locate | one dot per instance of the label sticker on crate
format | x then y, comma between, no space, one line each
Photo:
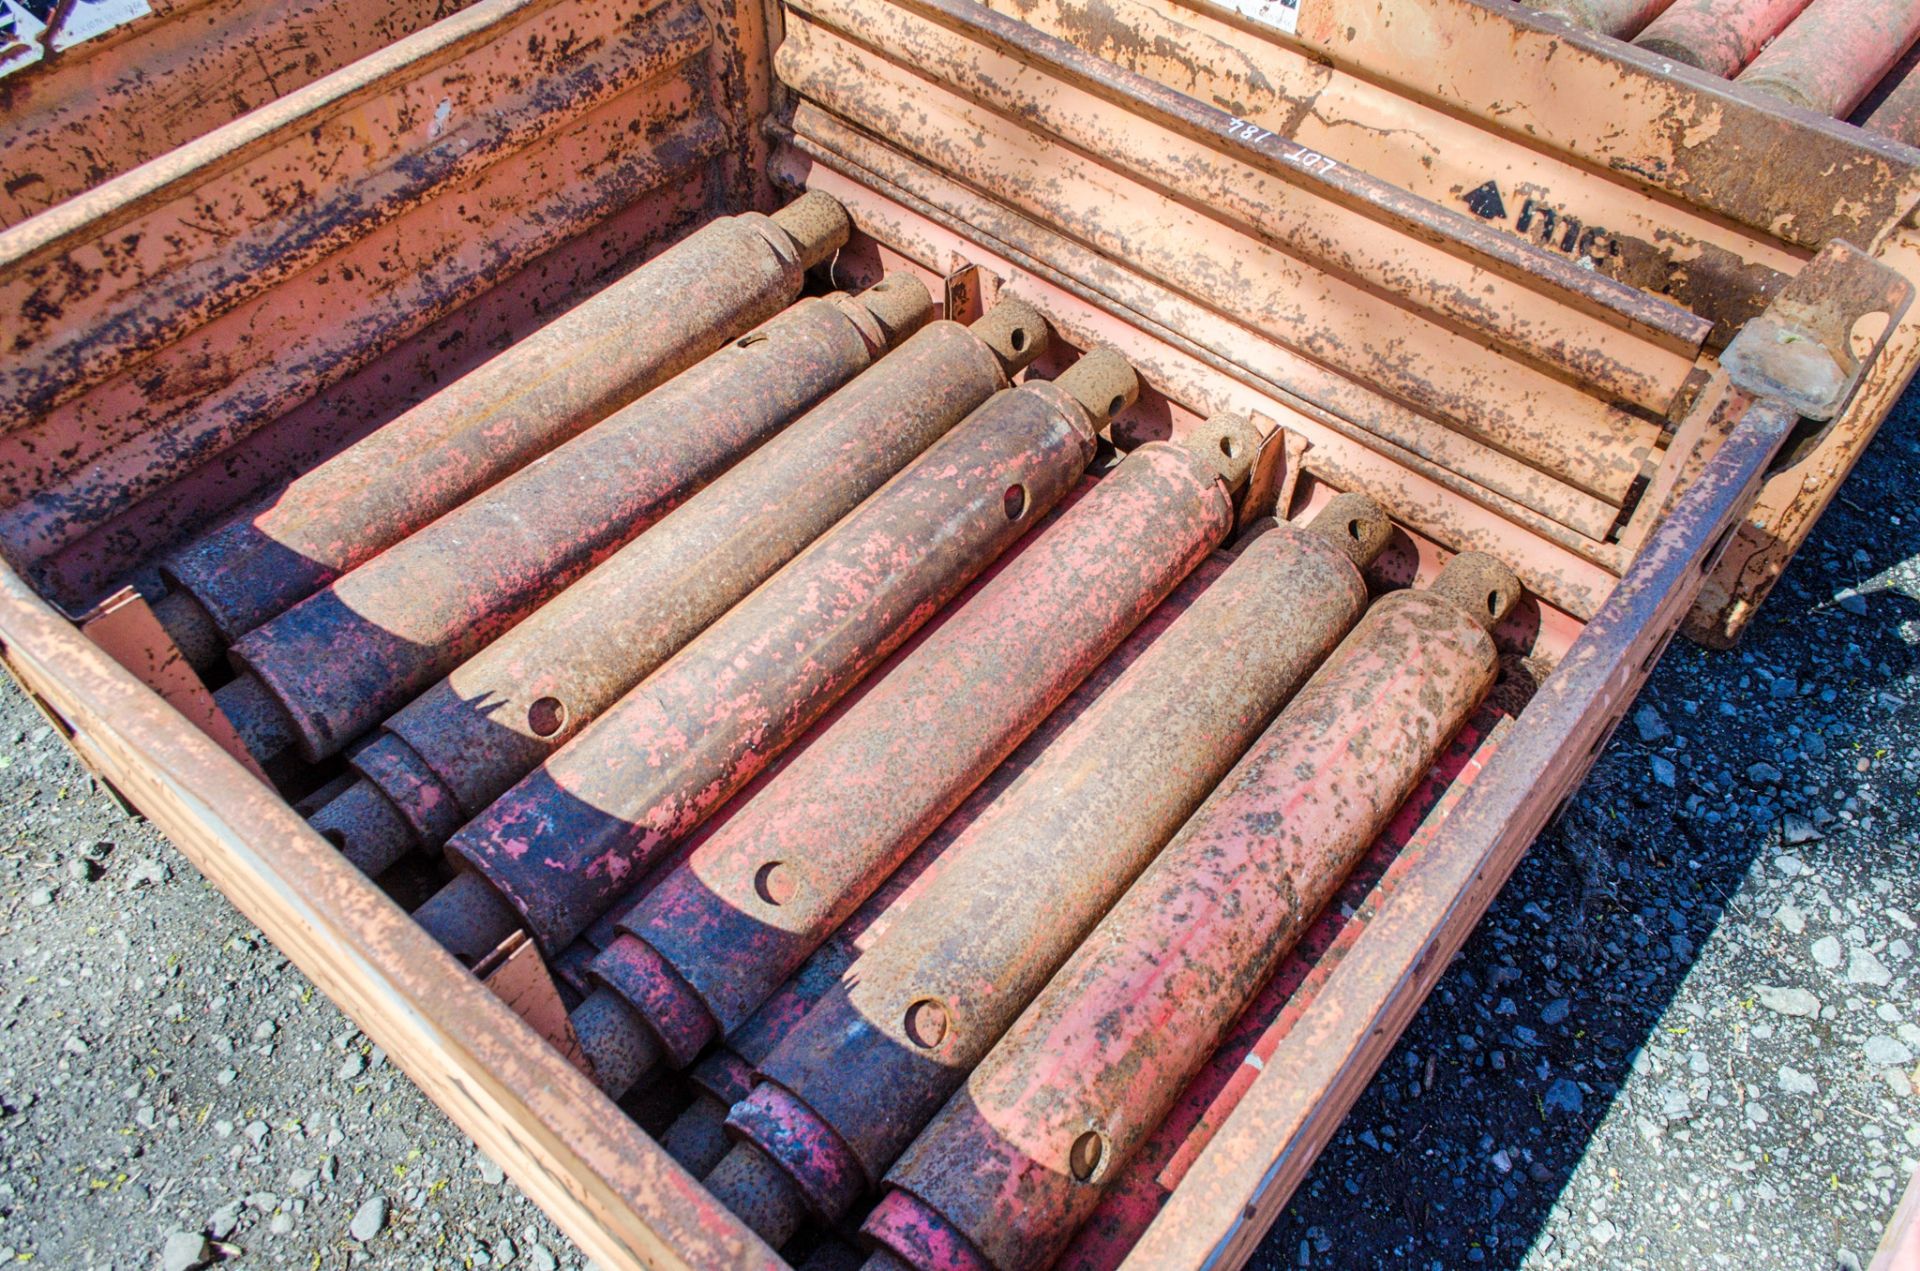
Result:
1282,15
24,25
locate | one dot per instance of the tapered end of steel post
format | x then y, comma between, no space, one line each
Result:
257,717
1357,525
191,629
817,224
900,303
468,917
1227,443
759,1193
1575,12
1621,19
698,1137
1015,332
1672,50
366,827
1102,382
616,1042
1785,90
1480,586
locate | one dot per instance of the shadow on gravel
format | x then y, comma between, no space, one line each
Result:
1462,1149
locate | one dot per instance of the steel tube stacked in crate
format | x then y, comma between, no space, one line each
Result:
1717,36
1834,53
721,933
1019,1156
849,1088
1621,18
345,657
557,850
724,1075
464,742
576,370
1897,113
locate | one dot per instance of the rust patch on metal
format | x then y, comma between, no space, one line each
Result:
94,111
367,643
725,1073
1832,55
1821,333
1714,37
856,1080
467,740
1516,187
564,844
748,907
573,373
198,298
1712,144
1021,1154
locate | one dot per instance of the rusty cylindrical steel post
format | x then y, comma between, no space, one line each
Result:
724,1075
362,646
723,931
1621,19
1898,113
657,321
558,849
1833,54
1717,36
464,742
1018,1157
851,1086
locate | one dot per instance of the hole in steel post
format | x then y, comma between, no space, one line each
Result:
926,1023
546,717
1229,447
1353,530
1115,406
1018,339
750,339
1493,602
773,883
1015,502
1088,1151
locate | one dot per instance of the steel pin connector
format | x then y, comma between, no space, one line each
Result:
817,224
1227,443
1015,332
468,917
1356,525
1479,586
366,827
1103,382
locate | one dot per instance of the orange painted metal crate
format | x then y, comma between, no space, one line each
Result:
1542,294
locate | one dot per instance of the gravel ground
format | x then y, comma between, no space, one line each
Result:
1685,1036
167,1078
1686,1033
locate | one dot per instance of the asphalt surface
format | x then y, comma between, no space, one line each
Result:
1685,1036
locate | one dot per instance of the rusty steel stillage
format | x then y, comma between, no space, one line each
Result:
871,621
